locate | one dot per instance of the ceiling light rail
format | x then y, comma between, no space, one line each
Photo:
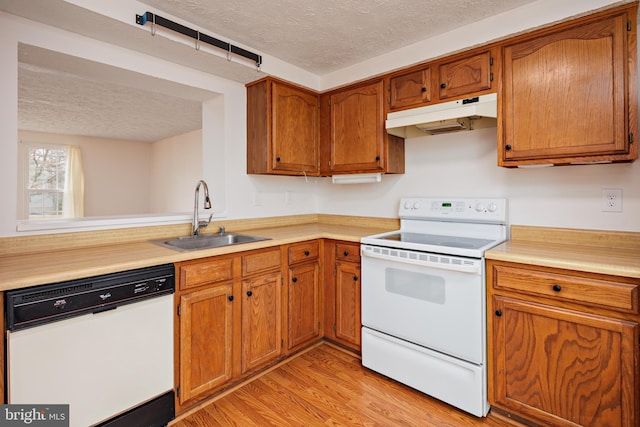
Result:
198,36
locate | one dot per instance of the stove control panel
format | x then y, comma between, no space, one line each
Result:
455,209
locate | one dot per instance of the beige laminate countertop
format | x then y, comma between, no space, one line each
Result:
603,252
18,271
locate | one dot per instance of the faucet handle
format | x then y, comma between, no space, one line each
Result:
203,224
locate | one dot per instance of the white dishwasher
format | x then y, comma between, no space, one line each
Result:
103,345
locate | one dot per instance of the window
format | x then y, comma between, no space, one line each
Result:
54,183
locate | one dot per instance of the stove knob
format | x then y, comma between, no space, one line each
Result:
416,205
492,207
479,206
407,205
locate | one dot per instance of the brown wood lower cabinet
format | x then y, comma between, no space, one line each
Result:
261,320
342,297
228,323
555,360
238,314
205,340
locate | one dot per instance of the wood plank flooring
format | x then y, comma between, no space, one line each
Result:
327,386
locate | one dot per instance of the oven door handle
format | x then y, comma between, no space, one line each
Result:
471,266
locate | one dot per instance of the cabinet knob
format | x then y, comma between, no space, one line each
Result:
355,278
424,89
249,293
507,147
230,297
377,158
346,253
443,85
277,159
557,288
498,313
294,280
306,253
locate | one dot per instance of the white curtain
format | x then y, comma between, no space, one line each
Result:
73,201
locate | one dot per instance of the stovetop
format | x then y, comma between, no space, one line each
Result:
460,226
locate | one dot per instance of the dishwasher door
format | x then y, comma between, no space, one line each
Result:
100,364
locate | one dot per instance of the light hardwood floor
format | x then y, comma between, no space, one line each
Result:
328,386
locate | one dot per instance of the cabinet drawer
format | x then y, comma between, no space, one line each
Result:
348,252
575,289
256,262
305,251
216,270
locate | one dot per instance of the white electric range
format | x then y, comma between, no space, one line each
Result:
423,297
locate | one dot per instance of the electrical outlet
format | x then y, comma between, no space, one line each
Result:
612,200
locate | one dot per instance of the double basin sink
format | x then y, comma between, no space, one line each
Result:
207,241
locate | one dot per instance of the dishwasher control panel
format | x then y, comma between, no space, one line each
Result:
46,303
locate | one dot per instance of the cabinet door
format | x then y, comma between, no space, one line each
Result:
465,76
303,304
561,367
566,95
205,325
410,90
295,121
261,320
348,323
357,129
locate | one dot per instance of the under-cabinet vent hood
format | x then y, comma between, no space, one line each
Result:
462,114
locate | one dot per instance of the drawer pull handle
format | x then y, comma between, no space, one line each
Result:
346,253
294,280
230,297
249,293
557,288
355,278
306,253
498,313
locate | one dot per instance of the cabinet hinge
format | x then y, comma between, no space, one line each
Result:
179,311
334,327
178,391
388,100
335,273
491,61
319,325
629,26
281,343
630,138
490,77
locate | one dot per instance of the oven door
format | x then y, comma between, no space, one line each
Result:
432,300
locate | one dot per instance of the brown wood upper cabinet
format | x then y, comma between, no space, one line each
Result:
458,77
465,76
358,142
282,129
570,93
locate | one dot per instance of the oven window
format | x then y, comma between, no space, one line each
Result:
417,285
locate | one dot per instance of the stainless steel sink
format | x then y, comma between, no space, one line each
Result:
207,241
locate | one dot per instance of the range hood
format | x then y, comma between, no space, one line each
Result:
462,114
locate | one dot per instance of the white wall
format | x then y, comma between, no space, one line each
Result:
116,172
169,189
464,164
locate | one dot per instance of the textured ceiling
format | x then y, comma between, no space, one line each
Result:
324,36
63,94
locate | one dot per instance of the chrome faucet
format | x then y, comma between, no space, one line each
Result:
197,224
